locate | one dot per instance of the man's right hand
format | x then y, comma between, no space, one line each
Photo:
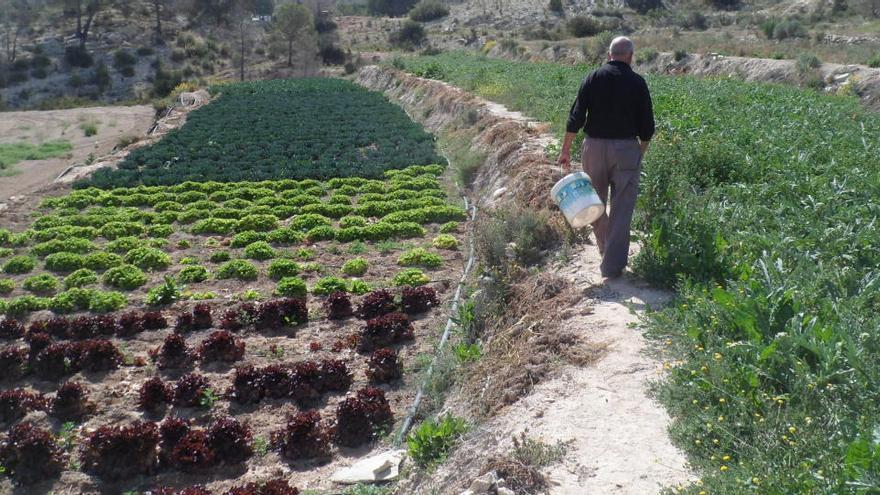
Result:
564,160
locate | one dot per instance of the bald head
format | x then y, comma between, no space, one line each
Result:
621,49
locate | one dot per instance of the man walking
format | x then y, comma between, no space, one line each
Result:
614,108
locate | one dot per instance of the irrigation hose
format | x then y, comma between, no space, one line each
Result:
407,422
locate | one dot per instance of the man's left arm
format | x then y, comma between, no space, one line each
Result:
646,120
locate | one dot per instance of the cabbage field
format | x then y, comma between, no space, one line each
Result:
297,129
227,336
759,205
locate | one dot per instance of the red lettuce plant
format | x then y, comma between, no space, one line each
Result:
98,355
384,366
171,431
386,330
202,316
335,376
12,362
247,385
338,306
277,381
230,440
190,490
118,452
239,318
277,486
154,394
58,327
54,361
189,390
31,454
71,402
36,343
16,403
221,346
279,313
11,329
303,437
192,452
358,417
376,303
173,353
416,300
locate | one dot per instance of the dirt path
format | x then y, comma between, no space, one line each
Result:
113,123
618,434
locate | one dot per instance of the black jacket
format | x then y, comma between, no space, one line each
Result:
613,103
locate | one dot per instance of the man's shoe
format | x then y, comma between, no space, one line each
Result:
612,275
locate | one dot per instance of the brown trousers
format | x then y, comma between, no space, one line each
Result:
613,163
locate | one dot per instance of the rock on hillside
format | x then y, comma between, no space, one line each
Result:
508,14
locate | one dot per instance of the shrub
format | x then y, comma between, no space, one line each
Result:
120,452
384,366
154,394
807,62
189,390
221,346
173,353
789,28
219,256
16,403
329,285
238,269
376,303
419,299
148,258
411,276
386,330
64,262
355,267
584,26
41,284
260,250
127,277
428,10
192,274
98,355
410,35
281,268
80,278
445,241
338,306
303,437
18,265
679,55
357,418
7,285
31,454
432,441
556,6
107,302
163,294
230,440
71,402
291,287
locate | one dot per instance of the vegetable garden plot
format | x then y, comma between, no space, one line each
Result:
100,251
319,298
303,128
759,203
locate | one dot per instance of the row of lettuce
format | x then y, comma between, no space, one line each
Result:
758,204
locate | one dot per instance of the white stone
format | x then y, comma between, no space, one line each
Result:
382,467
484,483
505,491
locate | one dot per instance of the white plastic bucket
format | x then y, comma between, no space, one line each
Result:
575,196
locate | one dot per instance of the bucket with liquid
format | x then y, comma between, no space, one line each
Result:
575,196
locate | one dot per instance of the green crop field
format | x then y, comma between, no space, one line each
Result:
759,205
305,128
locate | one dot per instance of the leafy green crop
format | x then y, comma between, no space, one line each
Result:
420,257
279,128
328,285
291,287
192,274
80,278
127,277
18,265
355,267
410,276
433,439
759,204
41,284
240,269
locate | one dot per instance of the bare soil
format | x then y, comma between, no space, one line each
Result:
36,127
